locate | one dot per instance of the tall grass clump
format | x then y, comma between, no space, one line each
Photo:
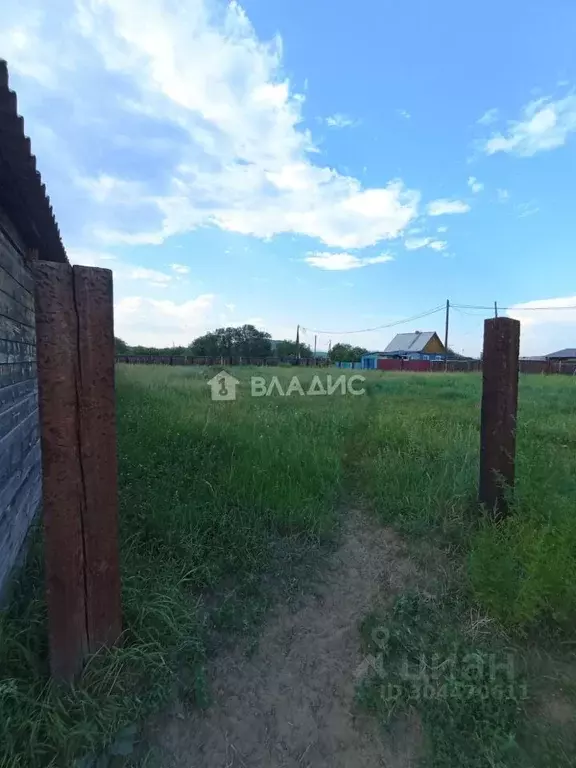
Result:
417,454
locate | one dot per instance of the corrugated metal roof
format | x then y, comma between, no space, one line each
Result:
409,342
22,193
569,352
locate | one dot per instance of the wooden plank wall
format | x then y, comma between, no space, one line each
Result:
20,473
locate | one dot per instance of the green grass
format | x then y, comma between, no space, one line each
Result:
418,466
213,497
222,502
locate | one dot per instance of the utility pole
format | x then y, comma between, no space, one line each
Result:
495,309
329,348
315,339
446,334
298,342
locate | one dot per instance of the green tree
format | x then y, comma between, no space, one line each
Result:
120,346
205,346
243,341
287,348
122,349
346,353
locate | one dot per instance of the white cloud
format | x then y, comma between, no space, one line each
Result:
343,261
527,209
123,272
503,195
106,188
159,323
415,243
441,207
441,230
475,185
404,113
116,237
546,330
152,275
26,50
181,269
242,159
145,320
545,124
548,311
382,259
340,121
90,258
554,306
489,117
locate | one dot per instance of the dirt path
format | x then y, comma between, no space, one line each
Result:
291,704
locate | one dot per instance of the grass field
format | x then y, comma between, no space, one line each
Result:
220,500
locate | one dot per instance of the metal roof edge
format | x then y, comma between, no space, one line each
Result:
22,193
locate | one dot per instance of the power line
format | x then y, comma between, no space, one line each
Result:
512,309
465,312
378,327
459,307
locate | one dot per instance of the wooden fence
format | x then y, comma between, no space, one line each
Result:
452,366
219,361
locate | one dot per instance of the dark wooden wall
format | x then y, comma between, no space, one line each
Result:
20,473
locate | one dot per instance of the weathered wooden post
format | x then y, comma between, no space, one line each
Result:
57,355
499,408
75,351
97,406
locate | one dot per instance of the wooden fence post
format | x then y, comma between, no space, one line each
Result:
499,408
62,492
75,351
94,306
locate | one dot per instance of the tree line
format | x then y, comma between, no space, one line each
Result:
242,341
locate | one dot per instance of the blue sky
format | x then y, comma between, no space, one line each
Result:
337,165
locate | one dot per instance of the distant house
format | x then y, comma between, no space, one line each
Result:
565,355
420,345
535,358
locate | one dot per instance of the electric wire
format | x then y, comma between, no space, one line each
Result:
305,329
